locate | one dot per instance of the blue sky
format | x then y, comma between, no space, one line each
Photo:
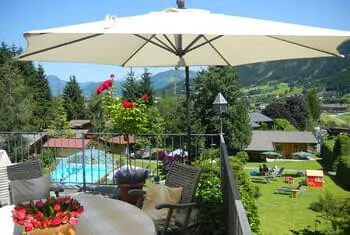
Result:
19,16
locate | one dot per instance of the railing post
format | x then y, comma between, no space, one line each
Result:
83,163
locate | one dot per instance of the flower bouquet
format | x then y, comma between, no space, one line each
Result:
62,213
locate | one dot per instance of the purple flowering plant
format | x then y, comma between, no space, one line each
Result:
131,175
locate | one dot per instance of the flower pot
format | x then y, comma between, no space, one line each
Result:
64,229
125,196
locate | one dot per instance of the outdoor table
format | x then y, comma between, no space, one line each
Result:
101,216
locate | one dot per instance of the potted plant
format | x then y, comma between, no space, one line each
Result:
129,177
52,216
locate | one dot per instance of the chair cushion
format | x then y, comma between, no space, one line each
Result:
160,193
30,189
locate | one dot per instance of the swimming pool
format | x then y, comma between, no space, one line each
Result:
70,169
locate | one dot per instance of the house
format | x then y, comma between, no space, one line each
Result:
284,142
80,127
65,147
257,119
314,178
118,143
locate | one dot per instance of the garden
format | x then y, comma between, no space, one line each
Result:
284,214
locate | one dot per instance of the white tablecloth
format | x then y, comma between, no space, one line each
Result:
102,216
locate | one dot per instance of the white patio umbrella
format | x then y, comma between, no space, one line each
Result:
181,37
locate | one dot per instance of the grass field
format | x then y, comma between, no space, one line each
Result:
297,165
280,214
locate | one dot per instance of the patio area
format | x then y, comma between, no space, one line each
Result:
236,221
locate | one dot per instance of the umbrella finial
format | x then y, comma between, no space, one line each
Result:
180,4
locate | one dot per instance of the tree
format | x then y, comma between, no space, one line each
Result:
94,112
59,126
236,124
279,110
283,125
130,88
313,109
73,100
146,87
42,100
297,108
15,97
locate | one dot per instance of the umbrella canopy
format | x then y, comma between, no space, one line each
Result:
302,154
272,154
182,37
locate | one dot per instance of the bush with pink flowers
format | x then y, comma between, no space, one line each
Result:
49,213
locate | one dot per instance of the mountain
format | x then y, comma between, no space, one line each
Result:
330,74
160,81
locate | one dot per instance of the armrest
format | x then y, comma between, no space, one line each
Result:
176,205
136,191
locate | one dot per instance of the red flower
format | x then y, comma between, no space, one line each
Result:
99,90
130,105
125,103
57,207
145,97
39,215
112,76
107,84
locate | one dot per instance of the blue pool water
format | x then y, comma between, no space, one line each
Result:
70,169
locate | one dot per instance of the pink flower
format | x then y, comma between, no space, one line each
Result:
19,212
73,220
56,221
39,204
56,207
145,97
111,76
65,219
125,103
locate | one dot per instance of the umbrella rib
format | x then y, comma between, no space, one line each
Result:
207,41
138,49
301,45
161,44
59,45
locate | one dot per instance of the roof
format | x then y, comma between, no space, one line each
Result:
78,123
121,140
66,143
314,173
264,140
257,117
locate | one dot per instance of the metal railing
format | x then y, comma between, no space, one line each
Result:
93,158
235,216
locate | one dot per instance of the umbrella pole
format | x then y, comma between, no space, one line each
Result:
188,100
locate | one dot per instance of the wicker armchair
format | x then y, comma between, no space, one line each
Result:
184,176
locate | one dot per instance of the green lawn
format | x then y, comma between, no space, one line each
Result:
344,117
280,213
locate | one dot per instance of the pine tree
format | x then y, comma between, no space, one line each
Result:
94,112
73,100
130,88
42,100
146,87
